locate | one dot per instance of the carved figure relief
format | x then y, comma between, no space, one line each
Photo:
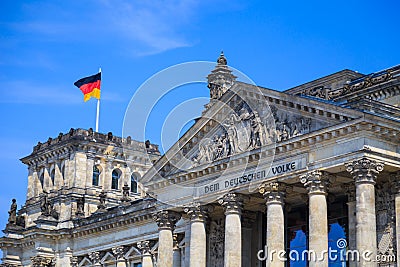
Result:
46,206
217,239
385,223
245,129
289,125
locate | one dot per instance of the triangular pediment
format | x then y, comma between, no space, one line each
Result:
245,118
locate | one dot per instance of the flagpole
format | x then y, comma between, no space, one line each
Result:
98,111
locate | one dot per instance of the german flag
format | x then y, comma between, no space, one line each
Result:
90,86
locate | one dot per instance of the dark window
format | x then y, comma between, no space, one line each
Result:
115,179
96,176
52,175
63,171
134,184
41,179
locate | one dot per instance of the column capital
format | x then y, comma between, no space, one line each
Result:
166,219
119,253
364,170
39,261
316,182
94,256
144,247
273,192
74,261
232,203
198,213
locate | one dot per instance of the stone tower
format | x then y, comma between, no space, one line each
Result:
83,172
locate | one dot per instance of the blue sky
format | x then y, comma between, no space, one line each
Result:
45,46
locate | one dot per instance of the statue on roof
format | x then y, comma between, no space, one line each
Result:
12,213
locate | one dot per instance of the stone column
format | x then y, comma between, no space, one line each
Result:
233,204
119,254
176,255
166,221
275,200
351,207
147,259
198,240
365,172
95,258
316,183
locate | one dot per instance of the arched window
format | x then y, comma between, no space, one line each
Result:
52,175
41,179
63,171
134,184
96,176
115,179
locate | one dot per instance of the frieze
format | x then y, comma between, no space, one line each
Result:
245,129
251,177
216,239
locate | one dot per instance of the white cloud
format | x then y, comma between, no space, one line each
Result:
143,27
156,24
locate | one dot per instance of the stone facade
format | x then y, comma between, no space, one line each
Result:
262,177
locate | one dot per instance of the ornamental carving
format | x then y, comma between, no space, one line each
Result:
144,247
217,239
364,170
74,261
232,203
95,257
316,182
166,219
41,261
361,83
119,253
273,192
350,87
289,125
198,213
243,129
46,207
385,219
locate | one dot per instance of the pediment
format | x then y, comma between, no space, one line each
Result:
245,118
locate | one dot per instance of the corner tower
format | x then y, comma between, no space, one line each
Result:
75,173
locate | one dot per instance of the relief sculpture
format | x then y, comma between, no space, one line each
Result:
385,222
245,129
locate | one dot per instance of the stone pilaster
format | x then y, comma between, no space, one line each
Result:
316,183
95,258
274,195
351,208
147,259
166,221
365,172
119,254
176,255
198,240
233,204
396,179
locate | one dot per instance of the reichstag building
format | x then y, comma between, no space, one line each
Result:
309,176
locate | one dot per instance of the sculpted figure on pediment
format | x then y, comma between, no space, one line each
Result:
289,125
242,130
